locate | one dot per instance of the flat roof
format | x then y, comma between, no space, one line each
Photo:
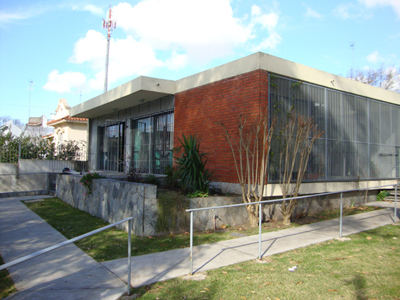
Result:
124,96
147,89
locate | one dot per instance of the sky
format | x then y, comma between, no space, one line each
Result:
57,49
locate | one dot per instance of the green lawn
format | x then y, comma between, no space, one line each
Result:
367,267
6,283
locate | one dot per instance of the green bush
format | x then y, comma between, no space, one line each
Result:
173,177
192,165
197,194
151,179
382,195
86,181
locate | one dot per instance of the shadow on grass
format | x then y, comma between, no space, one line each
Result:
359,283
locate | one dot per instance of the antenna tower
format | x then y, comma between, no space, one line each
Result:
29,106
109,24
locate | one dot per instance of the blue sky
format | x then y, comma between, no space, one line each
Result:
61,46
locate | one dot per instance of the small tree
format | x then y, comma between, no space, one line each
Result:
297,138
250,146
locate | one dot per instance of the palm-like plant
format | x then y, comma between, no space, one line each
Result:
192,165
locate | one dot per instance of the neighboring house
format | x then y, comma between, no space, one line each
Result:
141,121
10,127
37,127
68,128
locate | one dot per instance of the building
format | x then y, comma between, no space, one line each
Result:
68,128
10,127
37,127
140,121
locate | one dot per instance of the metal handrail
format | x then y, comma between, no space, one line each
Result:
279,200
51,248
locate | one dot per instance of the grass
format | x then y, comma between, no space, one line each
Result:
112,243
367,267
6,283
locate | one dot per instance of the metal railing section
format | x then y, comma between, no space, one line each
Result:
260,203
51,248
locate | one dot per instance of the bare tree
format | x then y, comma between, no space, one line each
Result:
5,119
387,78
250,147
297,137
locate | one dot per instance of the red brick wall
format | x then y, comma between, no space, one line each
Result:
201,110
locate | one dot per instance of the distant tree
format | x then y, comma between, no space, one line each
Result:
387,78
34,147
4,119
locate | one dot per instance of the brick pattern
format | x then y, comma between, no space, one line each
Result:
201,111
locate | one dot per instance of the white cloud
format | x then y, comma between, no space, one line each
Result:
171,34
127,57
268,22
93,9
310,13
66,82
7,17
90,8
349,11
395,4
204,30
91,49
177,61
374,57
269,43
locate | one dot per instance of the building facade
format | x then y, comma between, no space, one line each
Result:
67,128
137,124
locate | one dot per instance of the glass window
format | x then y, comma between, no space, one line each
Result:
361,136
111,139
152,143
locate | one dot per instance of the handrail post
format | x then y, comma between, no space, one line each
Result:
259,230
129,257
191,243
395,203
341,214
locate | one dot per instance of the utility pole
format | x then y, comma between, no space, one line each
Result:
109,24
29,106
352,47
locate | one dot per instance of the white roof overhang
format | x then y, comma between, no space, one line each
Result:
139,90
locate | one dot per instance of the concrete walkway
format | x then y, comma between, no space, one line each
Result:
161,266
65,273
68,273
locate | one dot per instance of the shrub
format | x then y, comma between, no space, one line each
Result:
86,180
151,179
192,165
173,177
382,195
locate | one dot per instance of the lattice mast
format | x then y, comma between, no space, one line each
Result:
109,24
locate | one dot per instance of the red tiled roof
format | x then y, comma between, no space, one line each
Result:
68,119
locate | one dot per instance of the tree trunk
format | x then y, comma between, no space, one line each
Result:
286,219
253,215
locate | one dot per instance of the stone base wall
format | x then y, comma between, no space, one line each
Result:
204,219
23,182
113,201
237,216
314,205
